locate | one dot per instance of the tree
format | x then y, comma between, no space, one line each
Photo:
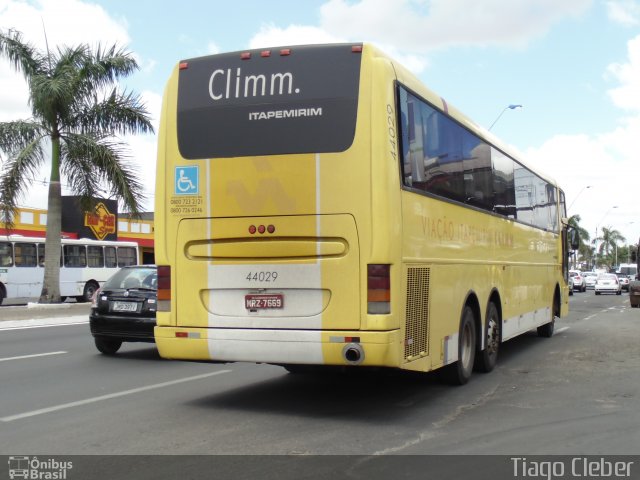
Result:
583,249
610,239
77,110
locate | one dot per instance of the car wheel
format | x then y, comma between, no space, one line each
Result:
108,346
459,372
486,359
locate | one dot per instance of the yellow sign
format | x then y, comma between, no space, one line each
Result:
101,221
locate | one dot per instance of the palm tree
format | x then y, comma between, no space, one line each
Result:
610,239
583,249
78,111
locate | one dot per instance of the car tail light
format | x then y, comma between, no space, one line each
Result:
94,298
164,288
378,289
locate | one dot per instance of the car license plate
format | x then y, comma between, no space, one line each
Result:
262,301
125,307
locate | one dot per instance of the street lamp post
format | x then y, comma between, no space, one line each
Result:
508,107
576,197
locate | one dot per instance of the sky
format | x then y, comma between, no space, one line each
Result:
574,66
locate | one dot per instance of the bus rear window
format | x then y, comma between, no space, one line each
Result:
268,102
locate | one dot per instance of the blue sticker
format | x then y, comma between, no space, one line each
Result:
186,180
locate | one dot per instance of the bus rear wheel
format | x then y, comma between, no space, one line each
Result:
486,359
89,291
459,372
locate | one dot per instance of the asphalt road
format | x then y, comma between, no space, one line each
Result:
576,393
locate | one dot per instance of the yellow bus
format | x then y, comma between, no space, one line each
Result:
317,205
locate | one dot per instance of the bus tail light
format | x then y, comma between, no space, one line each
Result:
378,289
164,288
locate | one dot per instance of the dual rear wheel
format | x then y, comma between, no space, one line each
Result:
470,358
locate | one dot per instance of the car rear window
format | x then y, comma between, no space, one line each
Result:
133,278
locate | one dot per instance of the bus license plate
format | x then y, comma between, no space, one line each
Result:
125,307
261,301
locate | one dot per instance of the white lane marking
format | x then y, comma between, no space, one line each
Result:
563,329
87,401
31,356
42,326
43,322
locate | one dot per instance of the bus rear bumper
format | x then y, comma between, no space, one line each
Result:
282,347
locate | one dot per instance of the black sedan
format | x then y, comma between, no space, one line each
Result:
124,308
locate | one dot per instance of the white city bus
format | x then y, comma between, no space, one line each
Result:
84,266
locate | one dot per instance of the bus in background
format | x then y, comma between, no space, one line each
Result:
318,205
84,266
628,269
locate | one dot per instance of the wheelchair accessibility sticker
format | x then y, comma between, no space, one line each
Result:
186,180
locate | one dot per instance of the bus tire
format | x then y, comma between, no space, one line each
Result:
459,372
487,358
90,289
546,330
3,294
108,346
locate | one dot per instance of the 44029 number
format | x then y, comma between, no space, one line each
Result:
262,276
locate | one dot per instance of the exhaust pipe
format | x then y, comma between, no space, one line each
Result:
353,353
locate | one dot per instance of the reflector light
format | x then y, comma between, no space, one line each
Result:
252,229
261,229
182,335
265,53
285,52
356,48
164,282
271,229
183,65
245,55
378,289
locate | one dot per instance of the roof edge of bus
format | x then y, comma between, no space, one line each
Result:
278,47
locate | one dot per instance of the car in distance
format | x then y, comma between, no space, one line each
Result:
590,279
623,278
608,283
579,282
124,308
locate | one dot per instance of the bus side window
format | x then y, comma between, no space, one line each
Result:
6,255
75,256
26,254
111,260
126,256
96,256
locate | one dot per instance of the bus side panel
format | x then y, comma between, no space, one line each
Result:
473,255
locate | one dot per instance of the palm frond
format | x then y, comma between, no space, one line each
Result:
16,135
89,162
119,113
17,175
23,56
